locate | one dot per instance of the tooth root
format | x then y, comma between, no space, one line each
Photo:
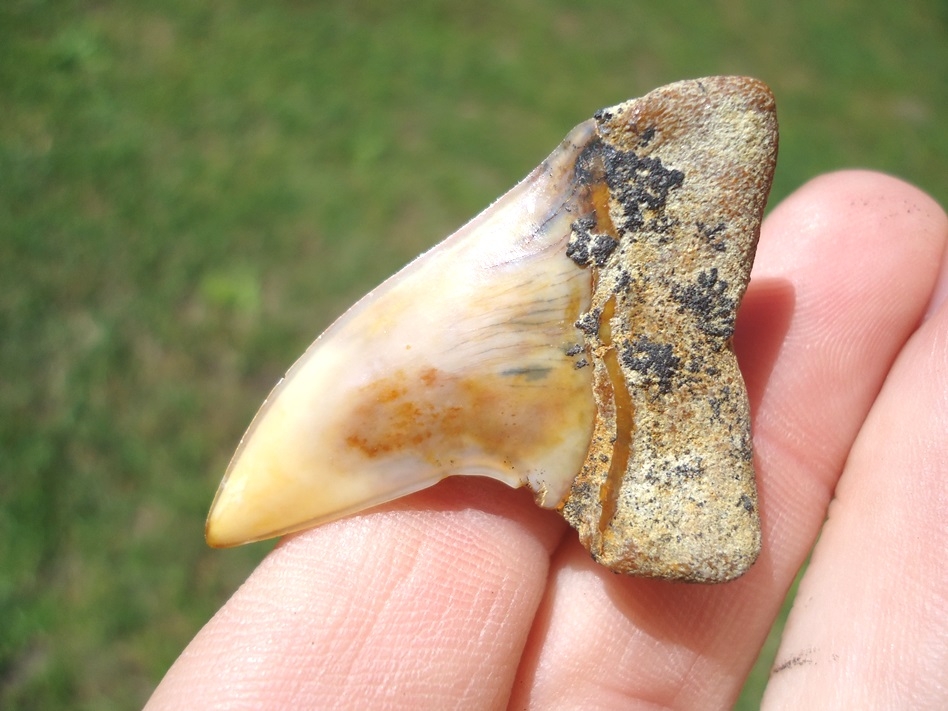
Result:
574,338
668,487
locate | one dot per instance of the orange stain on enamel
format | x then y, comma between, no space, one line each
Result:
509,416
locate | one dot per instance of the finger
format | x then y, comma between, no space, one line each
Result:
844,271
423,604
870,626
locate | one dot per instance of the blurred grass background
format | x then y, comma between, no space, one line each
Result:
191,191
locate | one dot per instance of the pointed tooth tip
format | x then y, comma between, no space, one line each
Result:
216,537
225,528
257,501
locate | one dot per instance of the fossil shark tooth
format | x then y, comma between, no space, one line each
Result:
575,338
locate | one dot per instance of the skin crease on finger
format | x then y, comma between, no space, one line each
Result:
429,602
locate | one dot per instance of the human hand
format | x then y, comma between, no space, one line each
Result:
469,596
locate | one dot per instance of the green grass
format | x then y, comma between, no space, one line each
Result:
190,192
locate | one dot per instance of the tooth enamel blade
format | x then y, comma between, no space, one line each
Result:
465,362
